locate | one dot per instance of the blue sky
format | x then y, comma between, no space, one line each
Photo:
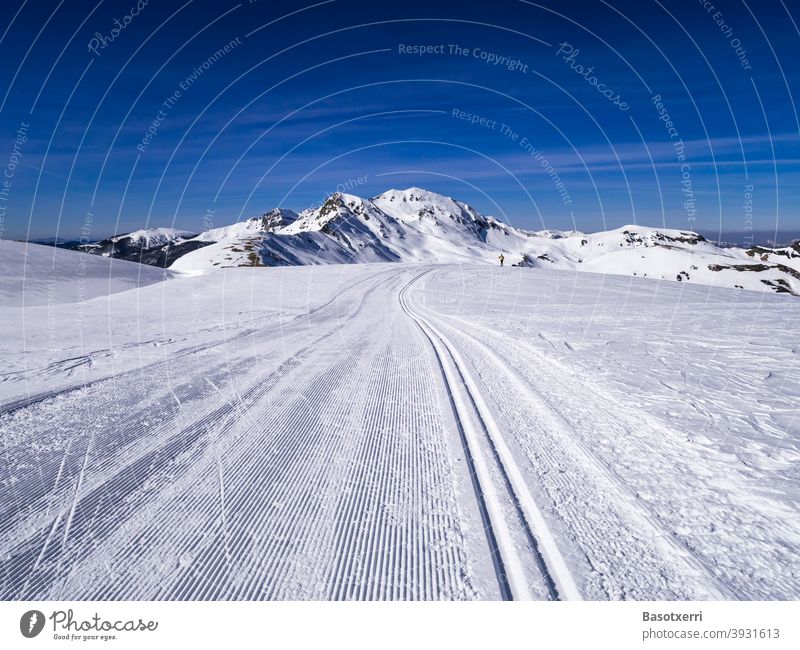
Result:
311,97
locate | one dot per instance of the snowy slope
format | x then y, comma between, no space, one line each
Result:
234,245
401,431
33,274
666,254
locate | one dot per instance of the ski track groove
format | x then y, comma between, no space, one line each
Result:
648,517
548,556
10,406
158,450
255,489
574,422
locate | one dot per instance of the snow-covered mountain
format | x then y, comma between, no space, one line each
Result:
397,226
238,244
153,246
666,254
416,225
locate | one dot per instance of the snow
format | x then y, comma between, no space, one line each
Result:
398,431
410,225
33,274
151,237
241,229
234,245
666,254
417,225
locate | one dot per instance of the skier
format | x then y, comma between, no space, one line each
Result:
501,259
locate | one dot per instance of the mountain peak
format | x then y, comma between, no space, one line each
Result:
412,194
276,218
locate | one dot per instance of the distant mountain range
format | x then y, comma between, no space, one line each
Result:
742,239
416,225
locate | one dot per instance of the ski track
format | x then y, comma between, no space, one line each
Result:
66,367
510,564
371,448
650,538
626,556
261,476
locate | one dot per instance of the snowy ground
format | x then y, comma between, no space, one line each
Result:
398,431
38,275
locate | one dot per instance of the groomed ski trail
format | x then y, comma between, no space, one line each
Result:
389,432
476,420
312,463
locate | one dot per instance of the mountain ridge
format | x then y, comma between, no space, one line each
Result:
418,225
